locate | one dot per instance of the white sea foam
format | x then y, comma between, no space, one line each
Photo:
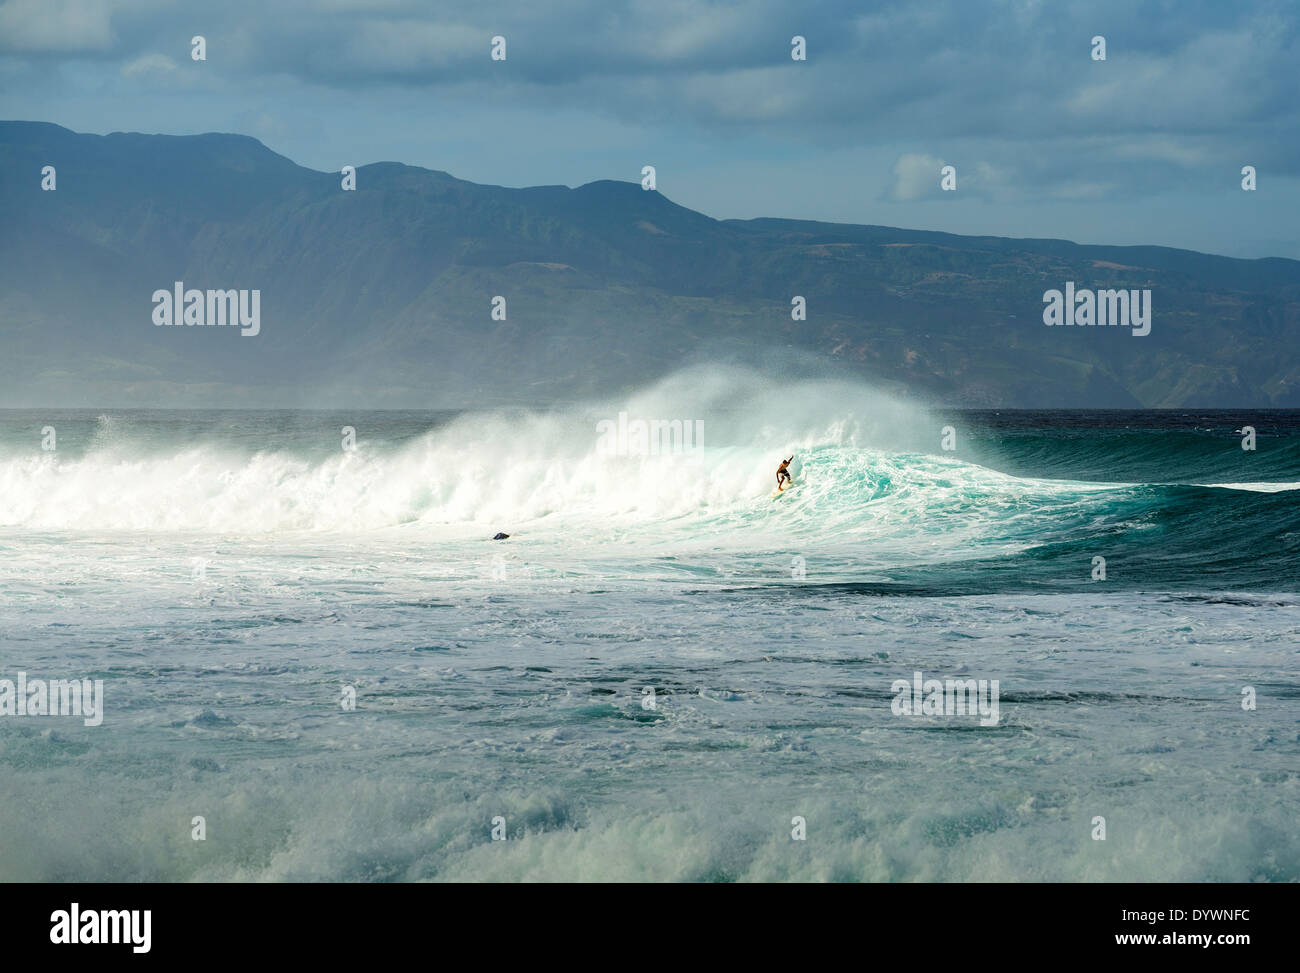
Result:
1255,487
515,468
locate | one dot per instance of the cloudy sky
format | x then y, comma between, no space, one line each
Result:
1144,147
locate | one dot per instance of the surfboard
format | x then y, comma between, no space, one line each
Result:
781,493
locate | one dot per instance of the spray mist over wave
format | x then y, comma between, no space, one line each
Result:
500,467
870,464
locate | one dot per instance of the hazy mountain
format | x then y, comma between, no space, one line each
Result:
382,297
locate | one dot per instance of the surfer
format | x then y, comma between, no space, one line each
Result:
783,475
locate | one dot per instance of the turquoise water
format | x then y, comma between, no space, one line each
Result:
228,573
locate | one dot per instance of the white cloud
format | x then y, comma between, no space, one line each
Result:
916,176
149,64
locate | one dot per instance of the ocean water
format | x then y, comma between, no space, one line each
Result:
227,574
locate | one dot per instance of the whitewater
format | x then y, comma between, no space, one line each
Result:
229,575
